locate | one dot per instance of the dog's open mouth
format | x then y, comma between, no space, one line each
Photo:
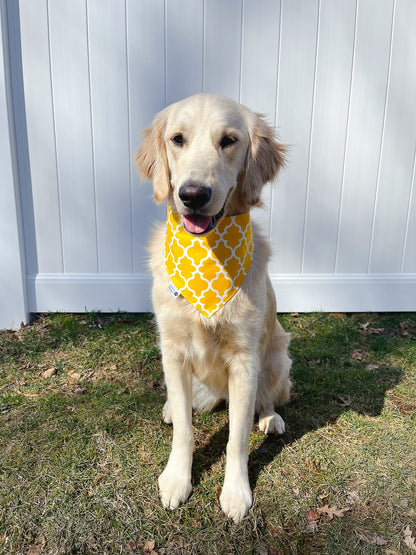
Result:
197,224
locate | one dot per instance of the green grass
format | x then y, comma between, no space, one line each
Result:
81,450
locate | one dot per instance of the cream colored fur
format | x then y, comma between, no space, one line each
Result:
240,353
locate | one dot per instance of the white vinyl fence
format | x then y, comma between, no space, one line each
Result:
80,79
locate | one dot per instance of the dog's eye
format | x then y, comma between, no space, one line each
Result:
227,140
178,139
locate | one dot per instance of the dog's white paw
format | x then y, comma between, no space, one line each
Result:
167,418
271,423
174,489
236,499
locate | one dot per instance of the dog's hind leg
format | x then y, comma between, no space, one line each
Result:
271,423
273,382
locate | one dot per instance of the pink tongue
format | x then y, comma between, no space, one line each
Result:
196,223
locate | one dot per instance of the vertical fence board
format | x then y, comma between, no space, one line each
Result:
397,156
222,47
294,113
260,51
110,125
184,48
365,131
329,127
146,90
71,98
43,243
259,56
13,308
409,254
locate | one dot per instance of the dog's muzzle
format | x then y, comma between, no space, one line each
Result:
195,196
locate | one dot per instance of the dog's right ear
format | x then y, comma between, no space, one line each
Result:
151,159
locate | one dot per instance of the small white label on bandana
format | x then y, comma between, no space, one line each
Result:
173,291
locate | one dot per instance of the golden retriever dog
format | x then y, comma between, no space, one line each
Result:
209,158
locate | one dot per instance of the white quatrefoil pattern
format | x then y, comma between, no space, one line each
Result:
209,270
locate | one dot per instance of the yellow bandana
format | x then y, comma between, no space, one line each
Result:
209,270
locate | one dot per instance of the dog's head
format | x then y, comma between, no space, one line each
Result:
210,156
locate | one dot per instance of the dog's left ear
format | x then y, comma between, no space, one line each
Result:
151,158
265,157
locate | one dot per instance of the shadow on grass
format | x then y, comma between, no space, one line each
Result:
320,395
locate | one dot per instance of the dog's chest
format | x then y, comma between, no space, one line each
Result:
209,351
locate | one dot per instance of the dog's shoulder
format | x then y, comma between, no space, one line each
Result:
155,248
262,251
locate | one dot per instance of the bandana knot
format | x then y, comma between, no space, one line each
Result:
209,270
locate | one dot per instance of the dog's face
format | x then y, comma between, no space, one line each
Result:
206,143
210,156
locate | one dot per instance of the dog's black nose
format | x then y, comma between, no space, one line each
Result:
194,195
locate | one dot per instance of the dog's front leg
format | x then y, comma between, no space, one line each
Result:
236,498
175,481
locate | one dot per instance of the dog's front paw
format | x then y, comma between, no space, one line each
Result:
174,489
236,499
271,423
